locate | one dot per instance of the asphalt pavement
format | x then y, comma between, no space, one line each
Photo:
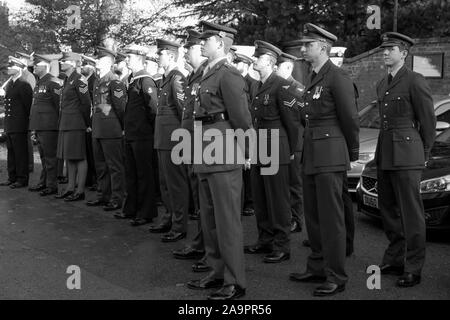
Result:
41,237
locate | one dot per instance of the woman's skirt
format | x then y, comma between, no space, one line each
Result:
72,145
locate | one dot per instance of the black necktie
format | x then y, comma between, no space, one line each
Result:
390,78
313,75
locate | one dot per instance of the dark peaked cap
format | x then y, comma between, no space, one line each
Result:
40,58
242,58
120,57
262,47
104,52
213,29
13,61
313,33
193,38
391,39
70,56
284,57
163,44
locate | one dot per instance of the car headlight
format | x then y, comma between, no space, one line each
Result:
435,185
366,157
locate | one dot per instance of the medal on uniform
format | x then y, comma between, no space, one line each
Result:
195,88
266,99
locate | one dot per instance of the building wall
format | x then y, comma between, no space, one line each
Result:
368,68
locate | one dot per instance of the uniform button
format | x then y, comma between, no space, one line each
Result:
309,92
256,108
386,105
327,135
408,138
256,98
306,103
387,93
306,116
384,116
398,98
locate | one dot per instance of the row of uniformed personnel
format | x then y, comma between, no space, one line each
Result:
217,95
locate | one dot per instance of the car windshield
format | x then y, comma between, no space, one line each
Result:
370,118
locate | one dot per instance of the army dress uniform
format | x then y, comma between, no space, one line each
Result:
407,134
331,141
18,100
107,126
273,108
139,125
44,122
222,104
168,118
191,89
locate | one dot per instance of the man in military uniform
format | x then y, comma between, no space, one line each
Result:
273,109
18,99
107,128
44,117
285,67
331,141
243,63
139,124
404,143
170,110
73,125
89,72
120,68
196,249
28,76
221,104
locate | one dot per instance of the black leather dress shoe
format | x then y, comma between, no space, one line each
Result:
173,236
194,215
390,269
75,197
306,277
408,280
160,228
228,292
93,187
276,257
203,284
122,216
17,185
257,248
36,188
328,289
248,212
201,266
188,253
112,206
64,194
139,222
296,227
95,203
306,243
48,192
6,183
63,180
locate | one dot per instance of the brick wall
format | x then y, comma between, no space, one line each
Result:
368,68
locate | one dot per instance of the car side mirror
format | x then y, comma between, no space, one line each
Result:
441,125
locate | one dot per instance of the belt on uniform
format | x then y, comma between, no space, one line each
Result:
167,112
269,124
397,124
98,109
212,118
331,122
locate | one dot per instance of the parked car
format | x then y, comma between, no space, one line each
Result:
368,136
434,187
